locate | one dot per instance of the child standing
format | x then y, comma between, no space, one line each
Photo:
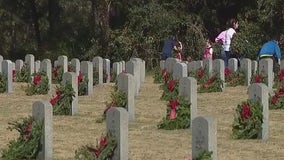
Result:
178,50
208,52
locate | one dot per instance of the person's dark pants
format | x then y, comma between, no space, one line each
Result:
164,56
226,55
276,66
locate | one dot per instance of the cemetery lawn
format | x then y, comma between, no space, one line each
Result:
146,142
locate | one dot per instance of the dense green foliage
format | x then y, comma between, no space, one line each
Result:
27,145
120,29
248,120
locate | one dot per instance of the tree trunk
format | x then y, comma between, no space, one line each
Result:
53,16
103,19
35,23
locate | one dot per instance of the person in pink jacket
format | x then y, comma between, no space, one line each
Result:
208,51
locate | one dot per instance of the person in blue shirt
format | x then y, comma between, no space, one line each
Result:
271,50
168,47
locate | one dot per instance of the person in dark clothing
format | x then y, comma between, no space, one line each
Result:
168,47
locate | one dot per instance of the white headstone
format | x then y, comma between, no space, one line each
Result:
98,67
42,110
125,83
259,91
73,79
87,71
204,136
7,70
117,125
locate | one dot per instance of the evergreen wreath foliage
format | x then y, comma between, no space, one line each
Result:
118,99
204,155
95,77
234,78
248,120
39,85
201,75
277,100
82,84
3,83
259,78
178,115
159,75
23,75
279,79
57,74
170,90
62,101
113,77
104,150
213,84
27,145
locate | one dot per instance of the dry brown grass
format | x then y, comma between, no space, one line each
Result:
146,142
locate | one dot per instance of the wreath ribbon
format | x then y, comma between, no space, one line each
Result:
173,105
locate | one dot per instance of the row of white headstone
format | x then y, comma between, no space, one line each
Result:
135,66
204,128
116,124
117,118
249,67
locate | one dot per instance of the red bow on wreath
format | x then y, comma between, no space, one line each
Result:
173,104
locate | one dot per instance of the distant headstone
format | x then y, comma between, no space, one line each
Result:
37,66
233,64
282,64
19,64
98,67
207,65
133,68
7,70
219,69
122,65
116,68
198,65
141,67
170,62
265,67
75,64
73,79
162,64
254,66
13,66
179,71
190,67
30,61
188,90
87,71
125,83
246,68
63,61
1,59
45,66
55,63
106,69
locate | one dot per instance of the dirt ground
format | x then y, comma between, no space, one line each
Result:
146,142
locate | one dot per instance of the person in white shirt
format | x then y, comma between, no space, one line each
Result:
226,47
